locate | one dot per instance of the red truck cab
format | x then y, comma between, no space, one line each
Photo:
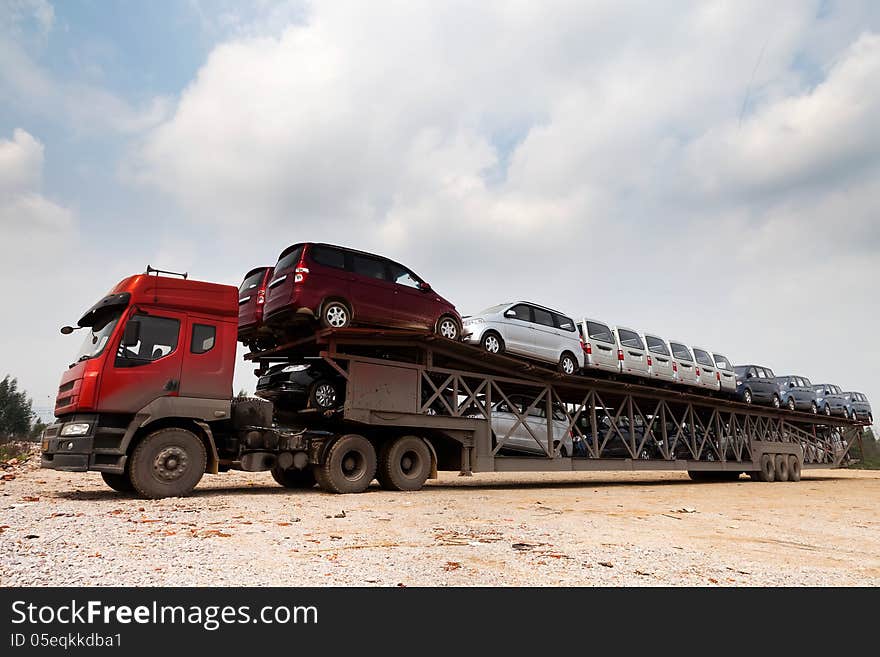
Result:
155,347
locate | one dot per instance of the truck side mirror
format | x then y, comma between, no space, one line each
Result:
132,334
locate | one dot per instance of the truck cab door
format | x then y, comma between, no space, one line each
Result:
146,368
208,358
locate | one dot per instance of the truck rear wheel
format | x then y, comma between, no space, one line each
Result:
404,464
794,468
121,483
781,467
768,468
168,463
349,465
293,478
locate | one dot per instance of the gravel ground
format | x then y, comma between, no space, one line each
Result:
512,529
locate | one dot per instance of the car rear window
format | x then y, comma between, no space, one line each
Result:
703,358
328,256
722,362
289,259
251,282
656,345
369,267
543,317
599,332
681,352
630,339
740,370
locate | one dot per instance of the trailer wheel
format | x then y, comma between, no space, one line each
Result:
768,468
781,467
794,468
349,465
121,483
293,478
404,464
168,463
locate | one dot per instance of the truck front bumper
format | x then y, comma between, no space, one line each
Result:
78,453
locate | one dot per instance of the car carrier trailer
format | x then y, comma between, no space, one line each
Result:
414,404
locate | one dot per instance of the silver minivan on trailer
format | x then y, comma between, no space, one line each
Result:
707,371
599,346
727,377
631,352
659,358
683,364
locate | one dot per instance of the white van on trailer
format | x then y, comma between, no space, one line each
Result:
659,358
599,346
631,352
683,364
727,377
707,371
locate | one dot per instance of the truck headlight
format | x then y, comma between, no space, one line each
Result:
295,368
75,429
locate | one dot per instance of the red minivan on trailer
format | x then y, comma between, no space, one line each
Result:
251,302
339,287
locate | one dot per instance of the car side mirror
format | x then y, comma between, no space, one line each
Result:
425,287
132,334
510,313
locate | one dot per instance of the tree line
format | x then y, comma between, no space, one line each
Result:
17,418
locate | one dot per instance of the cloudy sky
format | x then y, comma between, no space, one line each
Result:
706,170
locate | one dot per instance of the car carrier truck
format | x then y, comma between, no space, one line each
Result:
148,403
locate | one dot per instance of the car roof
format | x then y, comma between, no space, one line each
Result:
598,321
538,305
681,342
255,270
627,328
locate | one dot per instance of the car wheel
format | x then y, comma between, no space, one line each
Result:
493,343
335,315
747,396
870,419
791,405
827,410
567,364
448,328
323,395
776,402
813,408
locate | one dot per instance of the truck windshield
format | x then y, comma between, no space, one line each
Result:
99,334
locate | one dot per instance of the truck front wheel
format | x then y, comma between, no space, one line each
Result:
168,463
293,478
121,483
349,465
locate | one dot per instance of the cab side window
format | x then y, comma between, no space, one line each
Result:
157,338
203,338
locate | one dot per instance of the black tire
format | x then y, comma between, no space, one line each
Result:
404,464
168,463
780,465
794,468
121,483
777,403
870,418
492,342
448,327
813,408
335,314
768,469
293,478
747,396
323,395
827,410
791,404
349,465
568,363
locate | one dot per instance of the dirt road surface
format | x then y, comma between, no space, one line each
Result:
511,529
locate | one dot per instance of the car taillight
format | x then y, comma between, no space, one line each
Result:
620,354
698,371
261,297
587,347
674,366
649,361
718,376
299,274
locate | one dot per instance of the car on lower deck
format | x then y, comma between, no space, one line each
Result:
338,287
860,407
727,377
796,393
506,418
296,387
831,400
756,384
523,328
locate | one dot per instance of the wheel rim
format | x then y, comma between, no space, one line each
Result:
827,409
747,397
410,464
567,365
813,408
492,344
336,316
448,329
325,395
791,405
353,465
775,402
170,464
